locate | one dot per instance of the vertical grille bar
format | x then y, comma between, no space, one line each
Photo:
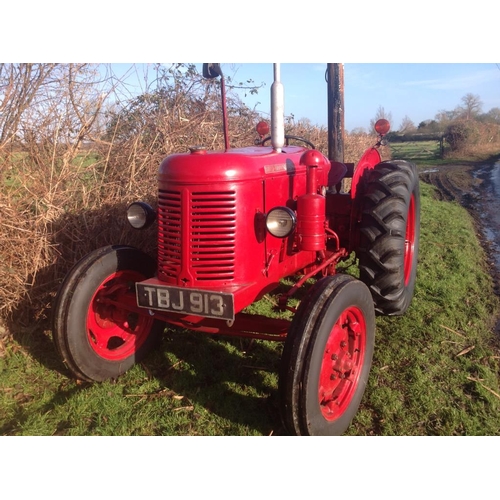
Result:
211,220
169,234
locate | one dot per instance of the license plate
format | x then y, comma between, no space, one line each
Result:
186,301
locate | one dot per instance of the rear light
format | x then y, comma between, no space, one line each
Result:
382,126
140,215
262,128
281,221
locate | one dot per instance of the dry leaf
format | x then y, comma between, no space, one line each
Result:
189,408
453,331
487,388
466,350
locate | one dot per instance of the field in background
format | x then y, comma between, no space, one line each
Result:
417,151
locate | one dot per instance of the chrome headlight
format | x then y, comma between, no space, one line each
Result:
140,215
281,221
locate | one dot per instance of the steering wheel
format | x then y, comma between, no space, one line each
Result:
288,138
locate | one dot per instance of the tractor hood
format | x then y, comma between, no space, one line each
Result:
206,167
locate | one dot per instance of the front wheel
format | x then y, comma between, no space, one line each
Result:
95,330
327,357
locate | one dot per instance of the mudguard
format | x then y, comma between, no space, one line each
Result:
370,158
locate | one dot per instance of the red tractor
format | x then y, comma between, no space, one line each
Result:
231,225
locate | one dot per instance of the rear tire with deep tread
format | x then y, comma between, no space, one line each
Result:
389,234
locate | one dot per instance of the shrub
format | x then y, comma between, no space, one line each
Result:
462,134
467,136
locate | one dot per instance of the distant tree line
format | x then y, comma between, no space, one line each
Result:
465,125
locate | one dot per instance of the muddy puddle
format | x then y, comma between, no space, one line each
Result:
477,188
489,199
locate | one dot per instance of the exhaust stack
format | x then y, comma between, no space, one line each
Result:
277,111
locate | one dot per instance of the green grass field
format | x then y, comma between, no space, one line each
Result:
416,151
435,370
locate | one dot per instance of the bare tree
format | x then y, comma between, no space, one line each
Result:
406,125
493,115
20,85
472,105
444,117
47,99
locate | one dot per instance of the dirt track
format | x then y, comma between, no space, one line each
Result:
453,182
476,186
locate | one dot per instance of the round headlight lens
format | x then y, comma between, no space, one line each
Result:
140,215
281,221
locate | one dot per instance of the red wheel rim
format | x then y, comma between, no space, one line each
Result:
115,333
342,363
409,240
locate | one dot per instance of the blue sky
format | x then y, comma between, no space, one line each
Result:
416,90
413,60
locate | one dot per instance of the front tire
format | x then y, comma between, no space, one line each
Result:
389,234
95,337
327,357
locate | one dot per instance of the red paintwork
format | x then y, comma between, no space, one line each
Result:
311,222
409,240
115,332
244,325
311,206
211,219
312,158
370,158
212,235
342,363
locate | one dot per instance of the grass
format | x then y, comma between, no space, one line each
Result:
435,370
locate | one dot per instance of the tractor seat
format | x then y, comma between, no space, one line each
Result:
337,172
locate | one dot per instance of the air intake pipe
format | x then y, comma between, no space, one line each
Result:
311,206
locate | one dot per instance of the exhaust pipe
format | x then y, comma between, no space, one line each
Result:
277,111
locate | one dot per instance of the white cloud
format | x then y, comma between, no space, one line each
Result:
464,81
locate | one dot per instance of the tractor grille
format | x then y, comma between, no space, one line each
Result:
169,233
206,222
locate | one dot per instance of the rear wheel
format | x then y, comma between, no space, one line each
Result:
327,357
97,336
389,234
